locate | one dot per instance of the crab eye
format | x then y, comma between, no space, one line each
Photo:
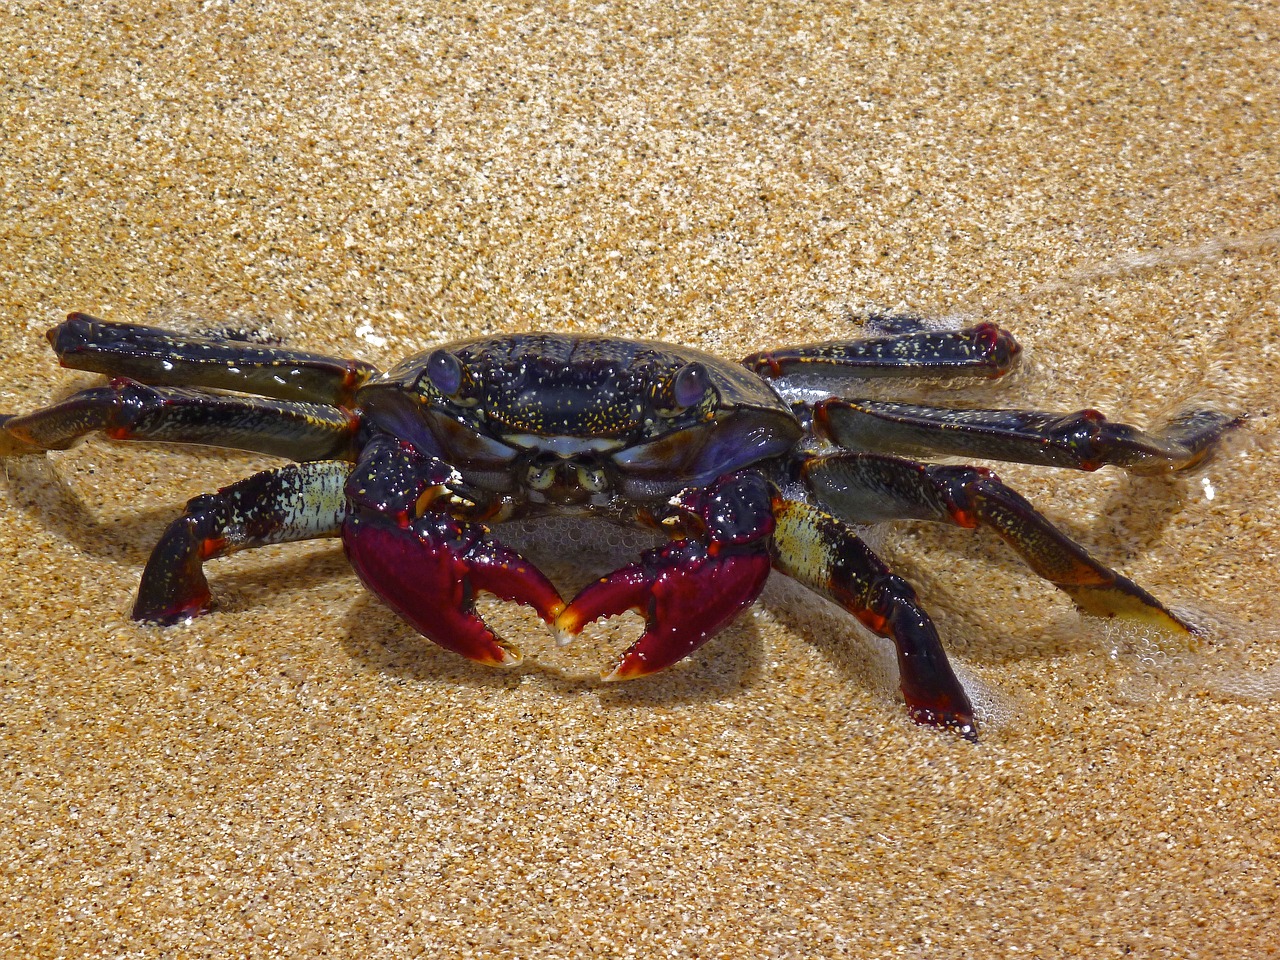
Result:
689,386
444,370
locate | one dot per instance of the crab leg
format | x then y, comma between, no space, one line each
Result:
872,487
738,528
127,410
166,358
983,350
820,552
690,588
300,501
427,564
1084,440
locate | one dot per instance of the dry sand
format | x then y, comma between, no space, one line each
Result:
299,774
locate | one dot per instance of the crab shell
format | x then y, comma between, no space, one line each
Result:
552,422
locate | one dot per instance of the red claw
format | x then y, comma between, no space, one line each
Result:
685,593
429,574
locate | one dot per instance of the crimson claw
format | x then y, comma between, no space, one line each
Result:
685,594
430,572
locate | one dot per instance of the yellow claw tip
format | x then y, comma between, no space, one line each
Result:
567,621
509,656
628,668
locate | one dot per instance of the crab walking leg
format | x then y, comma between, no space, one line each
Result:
873,487
427,564
127,410
691,588
301,501
820,552
983,350
1084,440
167,358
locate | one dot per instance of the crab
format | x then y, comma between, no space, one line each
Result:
412,468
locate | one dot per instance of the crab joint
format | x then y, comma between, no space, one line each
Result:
428,497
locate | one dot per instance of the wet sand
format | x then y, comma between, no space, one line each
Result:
299,774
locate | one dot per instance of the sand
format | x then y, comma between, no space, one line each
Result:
299,774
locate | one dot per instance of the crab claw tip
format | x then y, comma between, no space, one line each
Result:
632,666
567,624
510,655
607,597
562,638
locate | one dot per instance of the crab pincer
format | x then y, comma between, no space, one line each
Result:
427,564
690,588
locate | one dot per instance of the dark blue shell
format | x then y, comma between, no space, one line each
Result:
659,417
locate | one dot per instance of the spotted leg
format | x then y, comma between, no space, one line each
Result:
820,552
169,358
983,350
690,588
127,410
428,564
300,501
1083,440
872,487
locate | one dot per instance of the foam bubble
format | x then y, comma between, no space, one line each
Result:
992,708
1248,685
1216,664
